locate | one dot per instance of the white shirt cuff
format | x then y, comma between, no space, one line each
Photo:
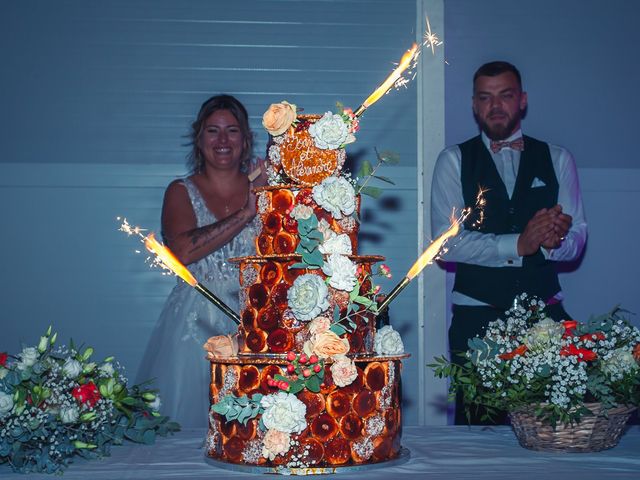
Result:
508,249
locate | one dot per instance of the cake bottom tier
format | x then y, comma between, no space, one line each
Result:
357,424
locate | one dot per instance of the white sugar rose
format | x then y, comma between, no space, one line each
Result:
279,117
6,404
301,212
388,342
543,334
28,358
330,132
336,244
325,229
71,368
69,414
283,412
342,272
275,443
336,195
343,371
308,297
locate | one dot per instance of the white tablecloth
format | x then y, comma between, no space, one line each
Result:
445,452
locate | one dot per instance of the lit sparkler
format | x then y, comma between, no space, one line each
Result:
406,61
166,260
436,247
427,256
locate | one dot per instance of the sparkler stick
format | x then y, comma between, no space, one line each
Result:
167,260
436,246
427,256
407,60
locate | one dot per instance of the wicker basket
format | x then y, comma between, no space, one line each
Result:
594,432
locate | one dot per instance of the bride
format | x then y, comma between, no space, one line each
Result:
207,218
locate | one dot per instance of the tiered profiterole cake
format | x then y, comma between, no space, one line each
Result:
313,386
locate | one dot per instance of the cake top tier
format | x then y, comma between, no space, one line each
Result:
306,149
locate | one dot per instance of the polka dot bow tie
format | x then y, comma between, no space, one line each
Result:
517,144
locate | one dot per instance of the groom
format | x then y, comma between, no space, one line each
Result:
533,216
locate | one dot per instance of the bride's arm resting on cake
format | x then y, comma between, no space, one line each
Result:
185,239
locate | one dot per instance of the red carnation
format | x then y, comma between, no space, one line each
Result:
3,358
87,393
589,336
583,354
569,327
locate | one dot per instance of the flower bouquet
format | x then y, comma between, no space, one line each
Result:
552,375
55,403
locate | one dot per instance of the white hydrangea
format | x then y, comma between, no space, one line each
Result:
336,195
342,272
388,342
330,132
308,297
284,412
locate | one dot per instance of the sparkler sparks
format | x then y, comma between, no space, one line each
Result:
437,248
405,62
165,259
431,39
405,70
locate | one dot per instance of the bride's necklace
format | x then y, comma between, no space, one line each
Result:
227,204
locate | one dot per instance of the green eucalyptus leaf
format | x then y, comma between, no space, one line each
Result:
365,169
371,191
363,300
299,265
384,179
388,157
337,329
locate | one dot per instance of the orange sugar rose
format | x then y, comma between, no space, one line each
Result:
326,344
279,117
221,346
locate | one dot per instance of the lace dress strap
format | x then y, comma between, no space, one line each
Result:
204,216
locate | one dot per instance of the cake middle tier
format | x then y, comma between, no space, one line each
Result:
280,206
281,307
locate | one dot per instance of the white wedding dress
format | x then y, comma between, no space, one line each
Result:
174,357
